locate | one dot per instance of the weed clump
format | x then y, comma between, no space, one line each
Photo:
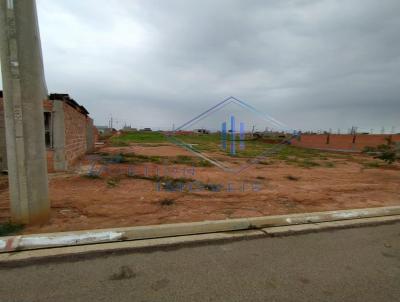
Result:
265,162
113,182
203,163
167,202
389,152
183,159
307,163
372,164
119,143
212,187
293,178
91,175
10,228
329,164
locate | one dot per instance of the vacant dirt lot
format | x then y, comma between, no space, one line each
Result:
144,184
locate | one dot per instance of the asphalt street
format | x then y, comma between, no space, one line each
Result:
360,264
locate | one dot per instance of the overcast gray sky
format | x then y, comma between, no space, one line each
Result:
310,64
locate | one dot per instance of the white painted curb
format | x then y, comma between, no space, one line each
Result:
28,242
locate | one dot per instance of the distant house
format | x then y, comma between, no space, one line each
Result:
105,130
129,129
69,132
146,129
202,131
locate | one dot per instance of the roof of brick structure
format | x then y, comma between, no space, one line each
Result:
65,97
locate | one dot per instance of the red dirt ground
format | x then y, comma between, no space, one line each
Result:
116,200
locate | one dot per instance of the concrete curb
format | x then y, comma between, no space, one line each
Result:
80,252
331,225
35,241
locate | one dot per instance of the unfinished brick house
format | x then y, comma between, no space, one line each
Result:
69,132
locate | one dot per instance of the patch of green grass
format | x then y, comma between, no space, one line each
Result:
184,160
176,184
190,161
112,158
253,148
203,163
113,182
266,162
329,164
212,143
152,145
118,143
372,164
200,142
296,152
10,228
151,178
308,163
139,137
301,162
134,158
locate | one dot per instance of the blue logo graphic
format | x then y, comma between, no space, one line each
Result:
233,134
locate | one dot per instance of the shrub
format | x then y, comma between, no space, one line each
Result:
10,228
389,152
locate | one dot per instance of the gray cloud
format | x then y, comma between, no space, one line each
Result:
312,64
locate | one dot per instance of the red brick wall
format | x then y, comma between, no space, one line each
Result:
47,105
370,140
75,133
311,141
343,141
396,138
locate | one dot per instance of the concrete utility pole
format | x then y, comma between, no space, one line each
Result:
24,89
